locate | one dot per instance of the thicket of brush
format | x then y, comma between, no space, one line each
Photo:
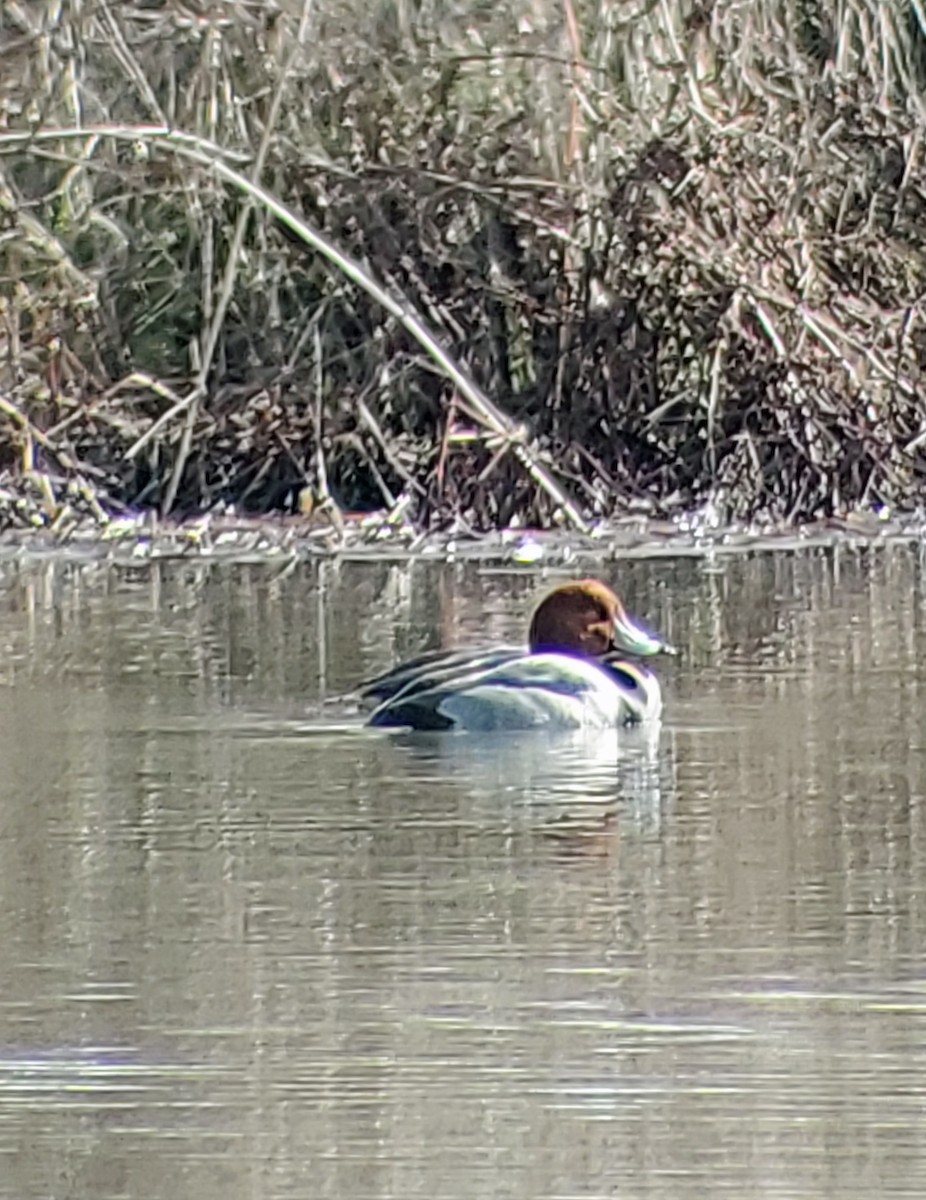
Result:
682,246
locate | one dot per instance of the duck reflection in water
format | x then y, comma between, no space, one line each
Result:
573,785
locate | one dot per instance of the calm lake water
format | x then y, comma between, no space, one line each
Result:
249,949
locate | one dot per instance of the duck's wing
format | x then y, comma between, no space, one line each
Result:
522,691
434,669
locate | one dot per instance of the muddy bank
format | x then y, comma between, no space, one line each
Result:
490,281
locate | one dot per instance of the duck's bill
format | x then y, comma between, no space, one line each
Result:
633,637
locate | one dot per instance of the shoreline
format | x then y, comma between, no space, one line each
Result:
286,539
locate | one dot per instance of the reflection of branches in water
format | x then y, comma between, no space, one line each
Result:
785,795
880,785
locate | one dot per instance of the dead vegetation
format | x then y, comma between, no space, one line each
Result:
267,258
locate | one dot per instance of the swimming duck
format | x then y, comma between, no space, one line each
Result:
571,676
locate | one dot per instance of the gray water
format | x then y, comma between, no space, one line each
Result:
249,949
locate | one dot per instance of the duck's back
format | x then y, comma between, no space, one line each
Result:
502,690
436,668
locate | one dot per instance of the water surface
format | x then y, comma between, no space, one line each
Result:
248,948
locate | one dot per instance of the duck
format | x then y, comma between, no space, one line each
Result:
571,675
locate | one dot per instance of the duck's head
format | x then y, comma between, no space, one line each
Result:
587,618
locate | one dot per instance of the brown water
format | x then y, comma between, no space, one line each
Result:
248,949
